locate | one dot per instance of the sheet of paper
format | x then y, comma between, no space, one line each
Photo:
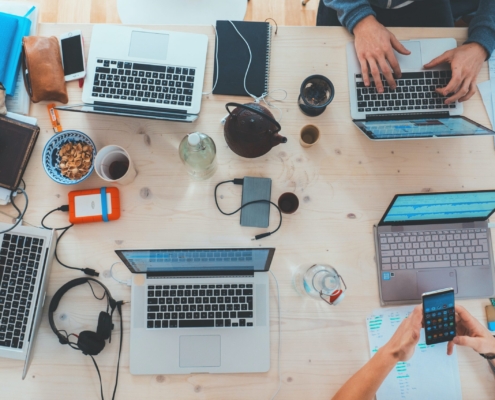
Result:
19,102
485,89
429,374
491,68
22,118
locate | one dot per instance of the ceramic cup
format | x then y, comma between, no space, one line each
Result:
288,203
309,135
113,164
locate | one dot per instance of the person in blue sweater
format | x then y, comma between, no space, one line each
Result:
367,21
364,384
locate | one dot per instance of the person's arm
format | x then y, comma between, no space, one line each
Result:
466,60
364,384
350,12
472,334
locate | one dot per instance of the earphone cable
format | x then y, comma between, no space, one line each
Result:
99,376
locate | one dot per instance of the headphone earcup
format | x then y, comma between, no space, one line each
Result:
105,326
90,343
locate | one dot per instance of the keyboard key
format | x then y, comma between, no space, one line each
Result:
198,323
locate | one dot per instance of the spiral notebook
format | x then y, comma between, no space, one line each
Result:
233,58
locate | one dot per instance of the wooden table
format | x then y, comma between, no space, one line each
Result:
344,184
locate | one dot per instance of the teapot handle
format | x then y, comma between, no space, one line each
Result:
272,120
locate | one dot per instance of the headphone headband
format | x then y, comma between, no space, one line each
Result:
60,293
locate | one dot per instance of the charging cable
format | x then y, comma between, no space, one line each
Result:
20,214
239,181
87,271
128,282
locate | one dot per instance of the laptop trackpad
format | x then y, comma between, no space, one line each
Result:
413,61
200,351
436,279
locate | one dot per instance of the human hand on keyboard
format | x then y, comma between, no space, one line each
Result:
375,46
465,62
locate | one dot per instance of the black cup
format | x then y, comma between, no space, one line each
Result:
315,95
288,203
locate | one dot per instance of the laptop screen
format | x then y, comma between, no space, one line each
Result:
422,128
192,261
440,208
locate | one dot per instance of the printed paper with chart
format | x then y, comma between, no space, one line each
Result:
429,374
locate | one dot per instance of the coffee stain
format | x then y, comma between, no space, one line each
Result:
145,193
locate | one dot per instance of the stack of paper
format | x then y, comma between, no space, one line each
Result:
429,374
19,102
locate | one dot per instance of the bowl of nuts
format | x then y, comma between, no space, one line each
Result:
68,157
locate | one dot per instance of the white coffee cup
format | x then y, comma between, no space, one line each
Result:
106,158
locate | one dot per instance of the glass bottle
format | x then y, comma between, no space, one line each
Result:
198,153
320,281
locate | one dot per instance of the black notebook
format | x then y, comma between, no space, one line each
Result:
17,140
233,58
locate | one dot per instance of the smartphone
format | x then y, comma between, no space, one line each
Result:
439,316
71,45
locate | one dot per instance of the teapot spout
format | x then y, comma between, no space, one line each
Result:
277,139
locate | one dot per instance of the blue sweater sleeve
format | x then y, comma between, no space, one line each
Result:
351,12
482,26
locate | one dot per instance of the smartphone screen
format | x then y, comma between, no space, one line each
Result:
72,55
439,316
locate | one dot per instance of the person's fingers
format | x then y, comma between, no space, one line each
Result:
472,91
463,91
445,57
450,348
392,60
453,85
375,72
388,74
398,45
364,70
467,341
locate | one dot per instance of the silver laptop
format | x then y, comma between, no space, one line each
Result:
414,110
141,73
199,310
429,241
26,256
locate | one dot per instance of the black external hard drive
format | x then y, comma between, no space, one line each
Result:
258,214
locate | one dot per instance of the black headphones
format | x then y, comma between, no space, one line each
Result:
89,342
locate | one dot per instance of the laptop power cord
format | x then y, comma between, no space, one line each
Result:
64,229
240,181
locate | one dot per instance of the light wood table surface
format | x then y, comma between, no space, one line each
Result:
344,184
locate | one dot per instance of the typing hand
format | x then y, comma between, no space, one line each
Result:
375,50
465,62
471,333
402,344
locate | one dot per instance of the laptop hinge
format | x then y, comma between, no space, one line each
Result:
401,116
135,107
195,274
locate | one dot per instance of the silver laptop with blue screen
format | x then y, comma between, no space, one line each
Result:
199,310
430,241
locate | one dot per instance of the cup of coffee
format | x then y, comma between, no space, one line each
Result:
288,203
309,135
113,164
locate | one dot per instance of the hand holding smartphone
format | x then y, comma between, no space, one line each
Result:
71,45
439,316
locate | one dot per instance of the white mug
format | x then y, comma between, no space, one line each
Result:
110,154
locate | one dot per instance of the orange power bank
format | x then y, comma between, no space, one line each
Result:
94,205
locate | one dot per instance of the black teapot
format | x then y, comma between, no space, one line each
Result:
250,130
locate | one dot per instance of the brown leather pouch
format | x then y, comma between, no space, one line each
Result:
42,69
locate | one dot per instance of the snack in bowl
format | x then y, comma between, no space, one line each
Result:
75,159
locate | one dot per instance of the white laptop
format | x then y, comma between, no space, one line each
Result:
143,73
199,310
414,110
26,256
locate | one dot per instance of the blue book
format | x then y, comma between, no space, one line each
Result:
12,29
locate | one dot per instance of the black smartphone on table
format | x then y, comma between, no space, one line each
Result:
439,316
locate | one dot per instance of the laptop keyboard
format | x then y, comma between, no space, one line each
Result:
415,91
19,262
200,306
144,83
434,249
